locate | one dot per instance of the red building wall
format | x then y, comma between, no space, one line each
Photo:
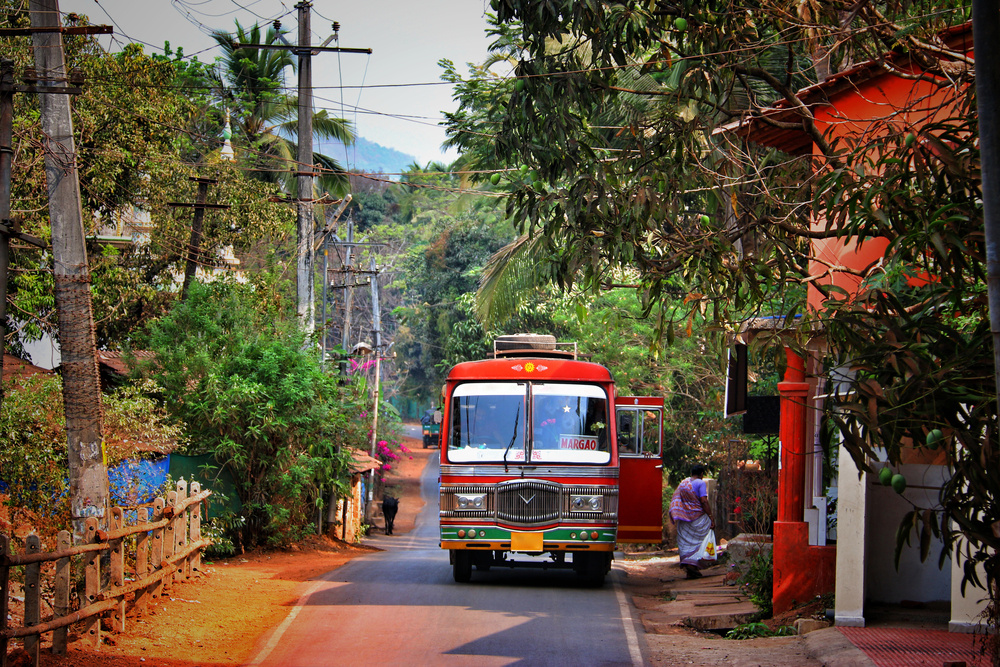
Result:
860,108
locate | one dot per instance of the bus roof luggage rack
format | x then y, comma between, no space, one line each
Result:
532,345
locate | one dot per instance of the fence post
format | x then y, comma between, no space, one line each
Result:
118,567
180,530
92,583
158,541
32,596
62,583
169,541
196,527
142,562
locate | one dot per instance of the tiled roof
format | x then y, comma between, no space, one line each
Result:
362,462
115,362
769,126
14,367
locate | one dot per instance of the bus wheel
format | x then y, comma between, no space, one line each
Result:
462,566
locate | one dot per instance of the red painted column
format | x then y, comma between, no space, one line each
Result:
792,478
801,572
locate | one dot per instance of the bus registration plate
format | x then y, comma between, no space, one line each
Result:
526,541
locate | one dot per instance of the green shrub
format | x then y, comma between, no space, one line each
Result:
758,581
250,392
33,462
759,629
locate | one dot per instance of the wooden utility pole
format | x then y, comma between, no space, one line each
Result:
194,246
88,475
304,272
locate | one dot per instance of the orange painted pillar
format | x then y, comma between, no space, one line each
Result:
792,477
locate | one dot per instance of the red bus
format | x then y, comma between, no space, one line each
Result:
542,465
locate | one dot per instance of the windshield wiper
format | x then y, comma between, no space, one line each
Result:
513,438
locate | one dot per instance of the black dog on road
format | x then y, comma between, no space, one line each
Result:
390,506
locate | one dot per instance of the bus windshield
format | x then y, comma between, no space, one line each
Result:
489,420
569,424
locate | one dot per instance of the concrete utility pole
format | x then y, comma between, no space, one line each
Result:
377,342
88,475
323,240
348,285
304,274
304,176
348,288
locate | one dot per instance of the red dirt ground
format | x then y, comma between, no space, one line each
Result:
216,619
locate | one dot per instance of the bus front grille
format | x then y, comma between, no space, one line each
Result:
528,503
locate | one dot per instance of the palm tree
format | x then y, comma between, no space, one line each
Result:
252,82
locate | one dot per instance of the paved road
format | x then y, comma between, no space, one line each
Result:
401,607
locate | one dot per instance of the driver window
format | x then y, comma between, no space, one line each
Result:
639,432
651,432
627,432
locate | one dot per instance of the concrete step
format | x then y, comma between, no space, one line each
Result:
707,603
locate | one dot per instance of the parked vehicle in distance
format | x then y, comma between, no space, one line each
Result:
542,465
431,423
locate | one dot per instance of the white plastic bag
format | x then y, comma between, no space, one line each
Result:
708,547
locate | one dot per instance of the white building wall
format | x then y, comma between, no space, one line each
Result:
914,580
965,610
851,543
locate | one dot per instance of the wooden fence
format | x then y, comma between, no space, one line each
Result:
166,547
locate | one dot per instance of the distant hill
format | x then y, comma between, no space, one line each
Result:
366,155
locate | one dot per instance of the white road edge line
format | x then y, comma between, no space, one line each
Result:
630,636
272,642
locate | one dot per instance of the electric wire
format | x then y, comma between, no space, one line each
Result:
357,108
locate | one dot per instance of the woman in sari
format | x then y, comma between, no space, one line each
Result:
691,514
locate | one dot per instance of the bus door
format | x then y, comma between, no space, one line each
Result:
639,421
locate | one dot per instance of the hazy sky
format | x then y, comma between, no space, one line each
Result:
407,38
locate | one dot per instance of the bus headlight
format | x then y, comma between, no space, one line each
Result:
470,501
586,503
